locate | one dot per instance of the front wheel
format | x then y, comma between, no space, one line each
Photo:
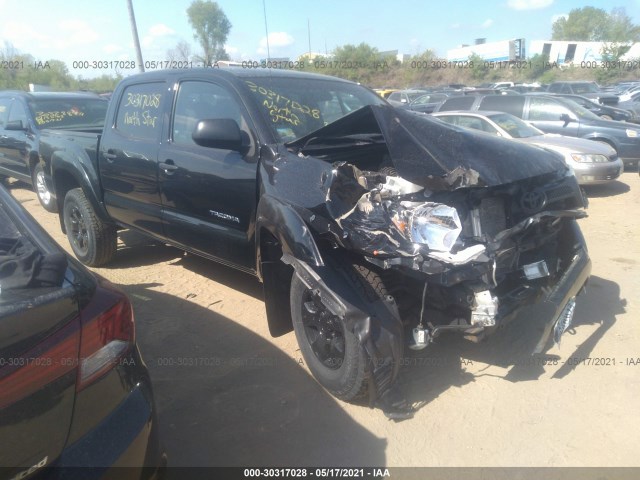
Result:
42,190
92,240
332,352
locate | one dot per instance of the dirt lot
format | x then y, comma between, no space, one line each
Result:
228,394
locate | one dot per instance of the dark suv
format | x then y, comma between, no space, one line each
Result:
586,89
553,114
23,118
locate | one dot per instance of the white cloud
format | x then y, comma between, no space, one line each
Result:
455,25
487,23
160,30
156,34
21,34
74,33
111,48
528,4
276,40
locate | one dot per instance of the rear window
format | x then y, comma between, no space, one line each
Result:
457,103
509,104
69,113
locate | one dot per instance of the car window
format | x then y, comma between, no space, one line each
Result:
18,113
198,101
555,87
61,113
395,96
514,126
543,109
5,103
139,113
457,103
584,88
509,104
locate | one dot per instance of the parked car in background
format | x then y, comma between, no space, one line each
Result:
606,112
74,391
404,97
553,114
427,102
592,162
586,89
629,93
23,119
632,105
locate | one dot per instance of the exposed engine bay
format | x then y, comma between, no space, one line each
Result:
462,229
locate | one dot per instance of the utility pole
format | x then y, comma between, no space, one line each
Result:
266,30
134,32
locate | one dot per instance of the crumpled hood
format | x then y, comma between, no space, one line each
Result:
439,156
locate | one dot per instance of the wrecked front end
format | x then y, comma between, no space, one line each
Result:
463,230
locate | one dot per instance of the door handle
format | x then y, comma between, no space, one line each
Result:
169,167
109,155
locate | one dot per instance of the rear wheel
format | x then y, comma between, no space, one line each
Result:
333,353
92,240
42,190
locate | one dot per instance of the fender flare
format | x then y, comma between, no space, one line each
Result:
288,227
63,169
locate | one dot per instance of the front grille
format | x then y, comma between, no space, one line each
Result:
493,219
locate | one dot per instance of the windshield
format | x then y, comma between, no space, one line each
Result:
69,113
514,126
585,88
430,98
297,106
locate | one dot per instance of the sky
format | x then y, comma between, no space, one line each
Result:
90,30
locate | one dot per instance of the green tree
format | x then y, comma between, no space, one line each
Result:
596,25
211,27
480,70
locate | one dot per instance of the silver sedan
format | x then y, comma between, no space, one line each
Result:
592,162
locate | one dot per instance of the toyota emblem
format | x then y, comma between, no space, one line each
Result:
533,201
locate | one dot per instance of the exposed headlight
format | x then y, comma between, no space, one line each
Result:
435,225
589,158
632,133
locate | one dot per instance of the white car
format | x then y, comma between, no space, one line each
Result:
592,162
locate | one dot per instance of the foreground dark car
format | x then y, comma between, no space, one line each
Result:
74,391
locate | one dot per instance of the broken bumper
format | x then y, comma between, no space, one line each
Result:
568,287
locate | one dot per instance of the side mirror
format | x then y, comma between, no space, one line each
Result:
15,125
566,118
221,133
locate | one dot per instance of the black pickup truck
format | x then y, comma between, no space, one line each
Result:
26,117
371,227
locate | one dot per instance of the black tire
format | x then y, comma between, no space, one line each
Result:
45,197
344,376
92,240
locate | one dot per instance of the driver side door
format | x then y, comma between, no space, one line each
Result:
545,114
209,194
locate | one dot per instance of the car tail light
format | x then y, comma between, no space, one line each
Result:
107,336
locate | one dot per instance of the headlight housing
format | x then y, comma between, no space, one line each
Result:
589,158
435,225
